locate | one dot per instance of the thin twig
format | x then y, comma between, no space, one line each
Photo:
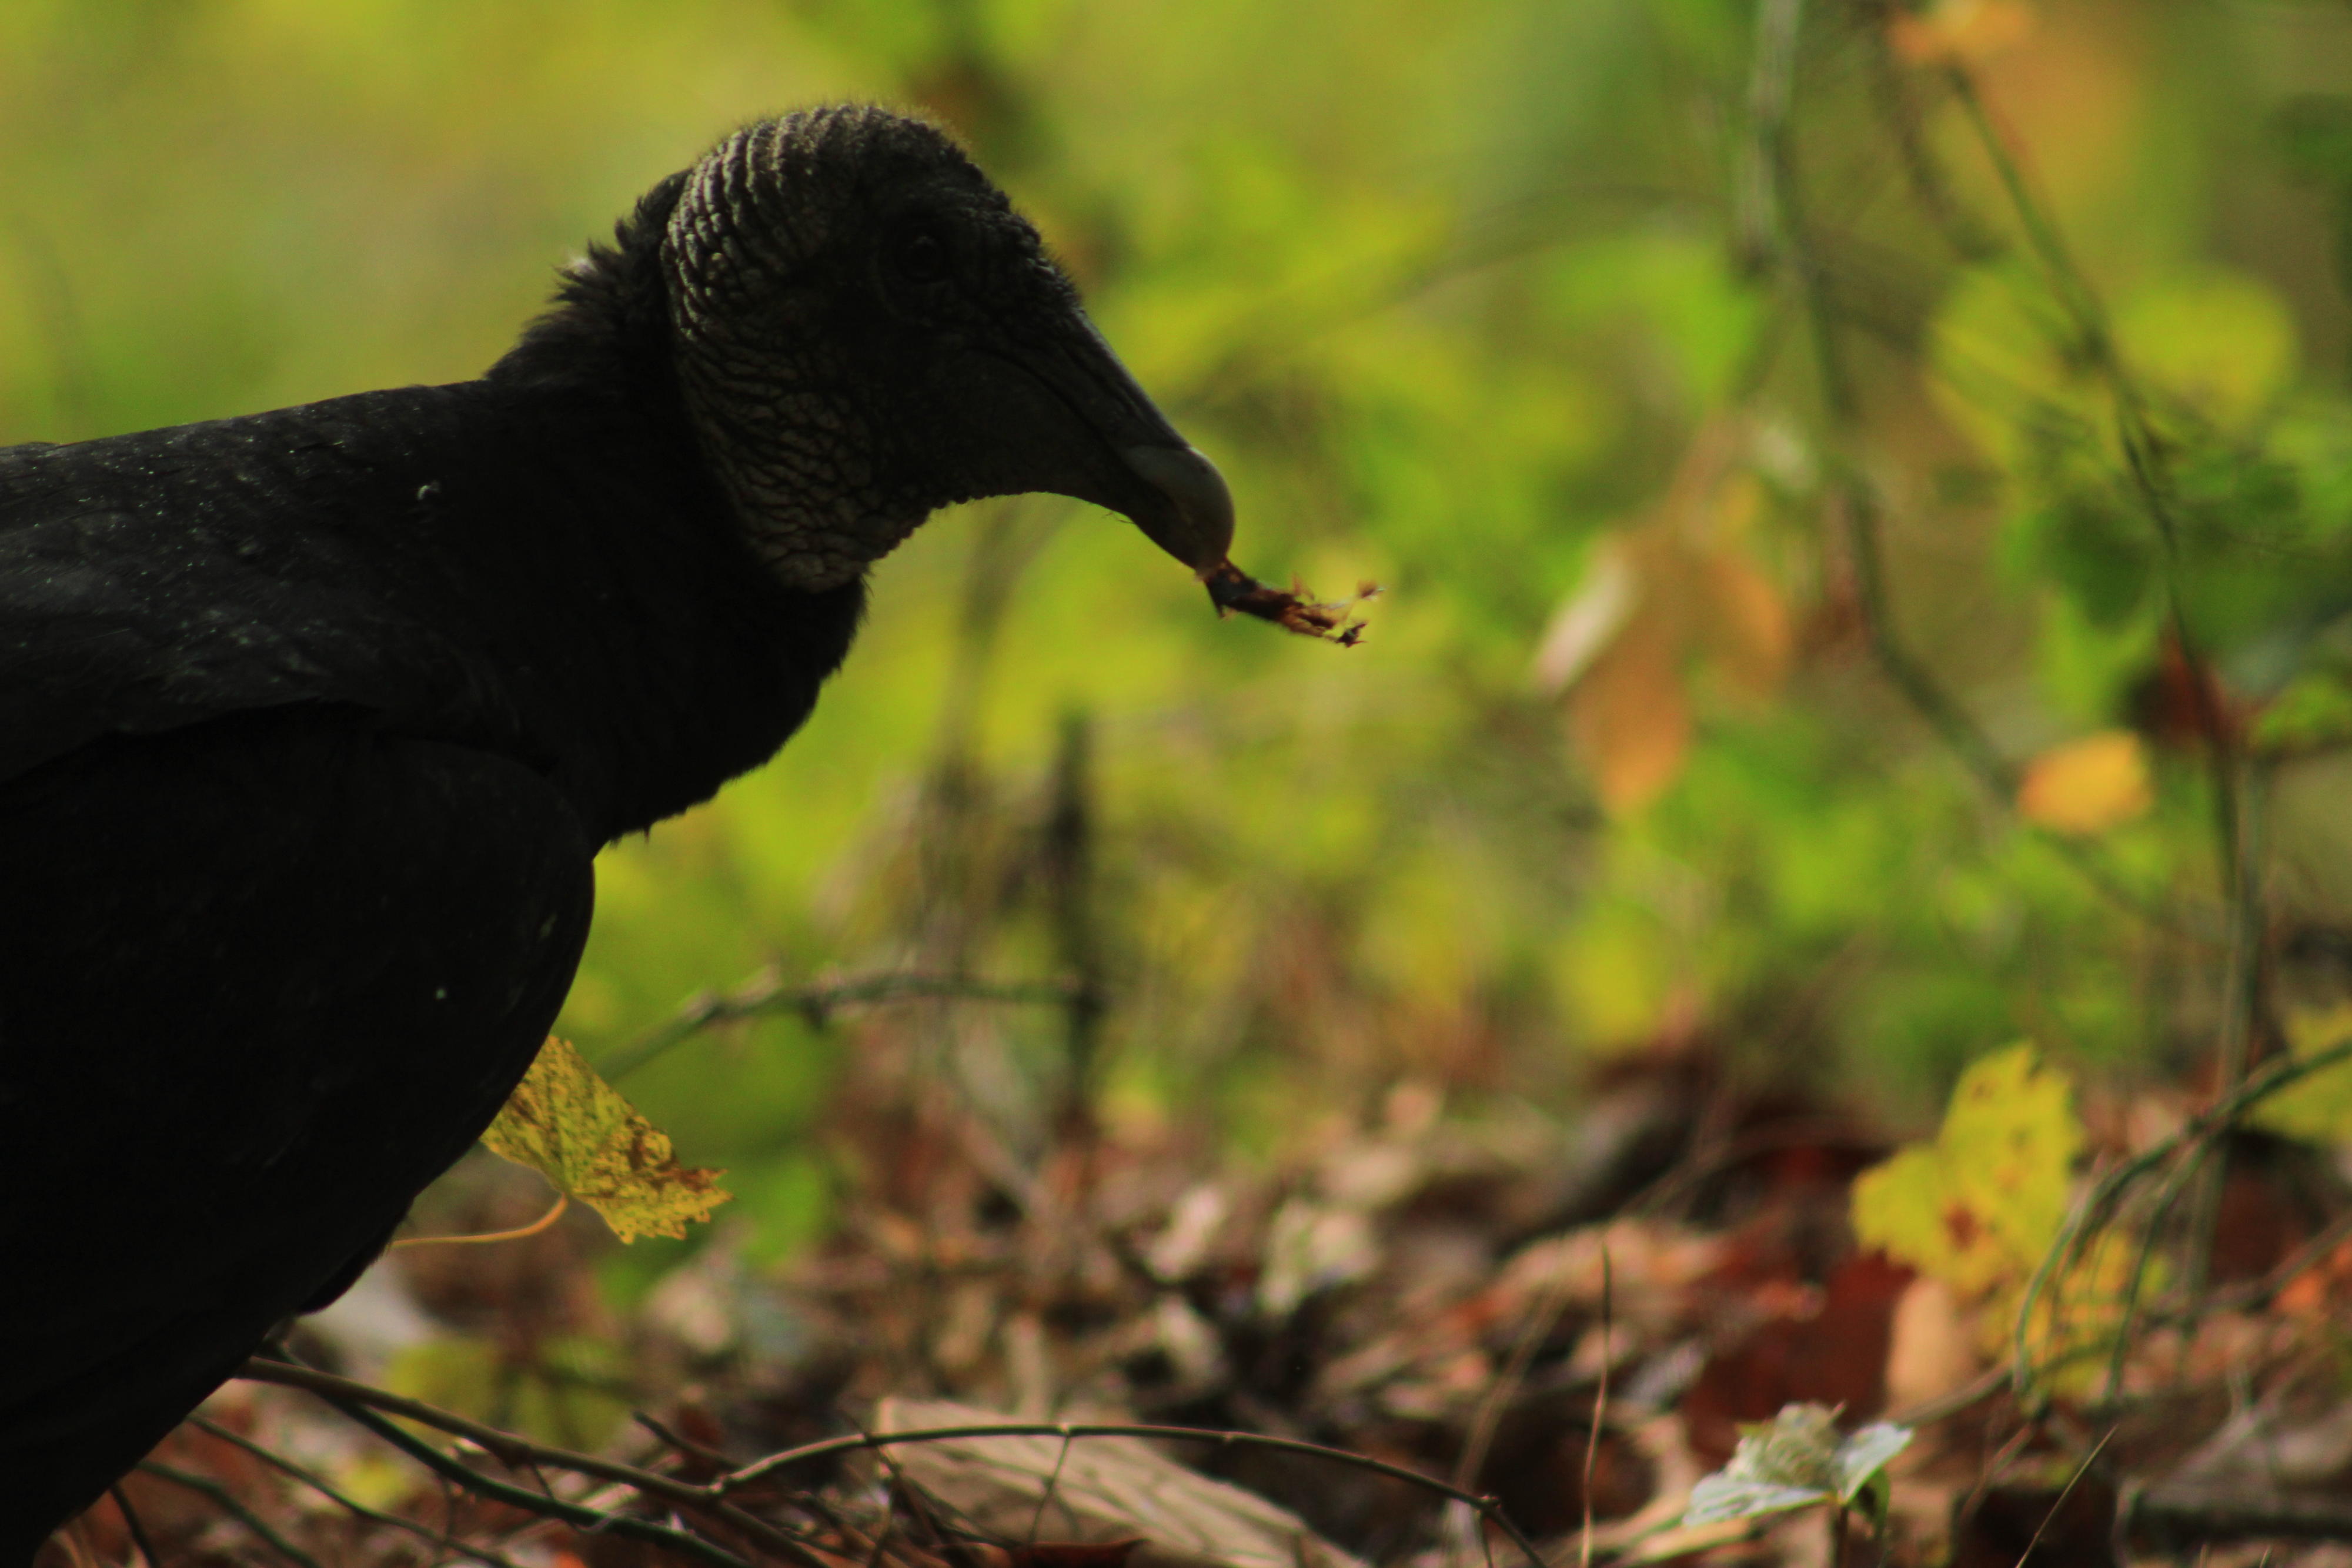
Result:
2242,990
1486,1508
1967,1395
765,994
138,1528
227,1501
2256,1294
506,1446
1045,1494
1289,321
2142,1260
1931,186
1704,1161
710,1458
2065,1493
577,1515
1600,1405
2215,1118
326,1488
2145,465
1066,862
1543,1315
1993,1468
1859,502
563,1202
1761,213
359,1402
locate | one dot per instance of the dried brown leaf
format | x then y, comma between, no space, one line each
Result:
1296,610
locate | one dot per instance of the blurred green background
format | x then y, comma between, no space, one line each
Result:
1602,317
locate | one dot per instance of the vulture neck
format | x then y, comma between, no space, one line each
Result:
683,660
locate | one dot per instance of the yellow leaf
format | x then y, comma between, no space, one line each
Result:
1899,1207
2087,786
1980,1207
574,1129
2009,1144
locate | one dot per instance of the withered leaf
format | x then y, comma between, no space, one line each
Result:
1675,592
1231,589
573,1128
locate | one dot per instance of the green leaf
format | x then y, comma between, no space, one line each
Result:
1861,1459
1724,1496
1797,1460
2221,342
2100,555
574,1129
1788,1463
2315,137
2318,1110
2315,711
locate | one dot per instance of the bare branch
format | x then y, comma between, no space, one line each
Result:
326,1489
765,994
137,1527
360,1403
225,1500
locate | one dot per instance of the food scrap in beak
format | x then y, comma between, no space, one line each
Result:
1232,589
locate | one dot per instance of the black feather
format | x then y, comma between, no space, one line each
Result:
310,722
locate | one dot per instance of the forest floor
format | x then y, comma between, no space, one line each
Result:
1411,1309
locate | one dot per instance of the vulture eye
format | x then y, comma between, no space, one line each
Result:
922,258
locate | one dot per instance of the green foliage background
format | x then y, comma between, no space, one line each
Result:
1448,292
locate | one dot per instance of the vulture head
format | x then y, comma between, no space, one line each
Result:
864,331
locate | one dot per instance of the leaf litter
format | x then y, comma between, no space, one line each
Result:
1446,1288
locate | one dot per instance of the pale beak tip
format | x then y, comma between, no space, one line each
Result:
1198,527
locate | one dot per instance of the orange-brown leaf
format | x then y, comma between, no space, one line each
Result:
2087,786
1630,716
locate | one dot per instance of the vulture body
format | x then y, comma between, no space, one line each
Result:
311,722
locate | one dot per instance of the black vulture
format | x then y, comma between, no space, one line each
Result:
310,722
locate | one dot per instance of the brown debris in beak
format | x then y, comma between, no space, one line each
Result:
1231,589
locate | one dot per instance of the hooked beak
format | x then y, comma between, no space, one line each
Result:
1134,463
1195,521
